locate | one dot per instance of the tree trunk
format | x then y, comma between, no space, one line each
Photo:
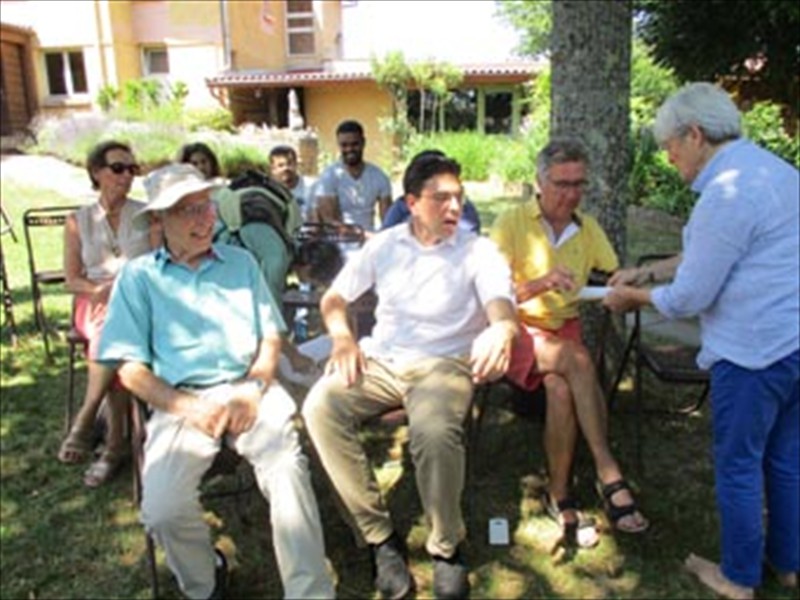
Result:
590,94
421,109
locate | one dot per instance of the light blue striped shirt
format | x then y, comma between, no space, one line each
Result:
191,327
741,259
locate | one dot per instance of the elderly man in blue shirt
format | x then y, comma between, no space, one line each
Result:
740,272
196,334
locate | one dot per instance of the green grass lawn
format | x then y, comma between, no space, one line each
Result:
60,539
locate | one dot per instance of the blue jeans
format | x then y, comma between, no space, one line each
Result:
756,420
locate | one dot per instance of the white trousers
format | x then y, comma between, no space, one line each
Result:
176,457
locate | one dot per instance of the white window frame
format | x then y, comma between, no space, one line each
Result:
302,29
68,76
147,51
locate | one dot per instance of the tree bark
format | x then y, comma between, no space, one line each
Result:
590,95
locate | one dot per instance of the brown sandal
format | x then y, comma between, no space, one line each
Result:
76,448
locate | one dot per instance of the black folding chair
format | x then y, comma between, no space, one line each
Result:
36,221
343,233
670,361
7,224
75,342
8,301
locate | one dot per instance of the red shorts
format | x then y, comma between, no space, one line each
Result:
523,371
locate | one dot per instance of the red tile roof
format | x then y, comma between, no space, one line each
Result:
511,72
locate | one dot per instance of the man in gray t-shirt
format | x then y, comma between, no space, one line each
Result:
349,189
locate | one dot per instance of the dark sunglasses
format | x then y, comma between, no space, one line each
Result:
118,168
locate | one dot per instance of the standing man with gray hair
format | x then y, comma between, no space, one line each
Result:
740,271
195,333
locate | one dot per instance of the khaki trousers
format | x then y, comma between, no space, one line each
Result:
436,394
176,457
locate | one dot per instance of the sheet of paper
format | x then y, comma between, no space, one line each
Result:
591,292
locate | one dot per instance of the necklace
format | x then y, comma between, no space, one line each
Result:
111,235
113,241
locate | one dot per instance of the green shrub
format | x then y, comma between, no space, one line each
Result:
763,124
213,119
236,158
654,182
481,156
474,151
651,85
536,124
107,97
70,139
514,160
178,92
147,100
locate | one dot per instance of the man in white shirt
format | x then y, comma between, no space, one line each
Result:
445,321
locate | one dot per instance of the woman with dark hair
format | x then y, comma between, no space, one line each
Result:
202,157
98,240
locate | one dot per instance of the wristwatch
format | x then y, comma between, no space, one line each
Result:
258,382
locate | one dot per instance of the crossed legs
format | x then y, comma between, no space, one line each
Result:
575,400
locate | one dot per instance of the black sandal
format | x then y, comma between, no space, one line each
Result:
576,532
616,512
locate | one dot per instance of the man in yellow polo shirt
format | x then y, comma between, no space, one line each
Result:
551,247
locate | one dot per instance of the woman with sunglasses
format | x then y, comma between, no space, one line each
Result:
98,240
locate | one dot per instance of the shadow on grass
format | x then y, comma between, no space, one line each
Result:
60,539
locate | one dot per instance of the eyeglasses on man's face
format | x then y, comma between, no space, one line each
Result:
564,185
445,197
193,211
118,168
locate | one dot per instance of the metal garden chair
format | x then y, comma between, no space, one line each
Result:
37,222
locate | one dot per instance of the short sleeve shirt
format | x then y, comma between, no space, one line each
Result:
431,299
521,237
198,326
357,197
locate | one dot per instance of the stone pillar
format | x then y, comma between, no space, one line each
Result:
307,153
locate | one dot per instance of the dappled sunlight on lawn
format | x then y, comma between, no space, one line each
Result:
63,540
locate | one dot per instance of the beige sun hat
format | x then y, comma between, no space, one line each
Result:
166,186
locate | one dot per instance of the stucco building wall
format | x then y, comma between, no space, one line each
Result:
328,106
